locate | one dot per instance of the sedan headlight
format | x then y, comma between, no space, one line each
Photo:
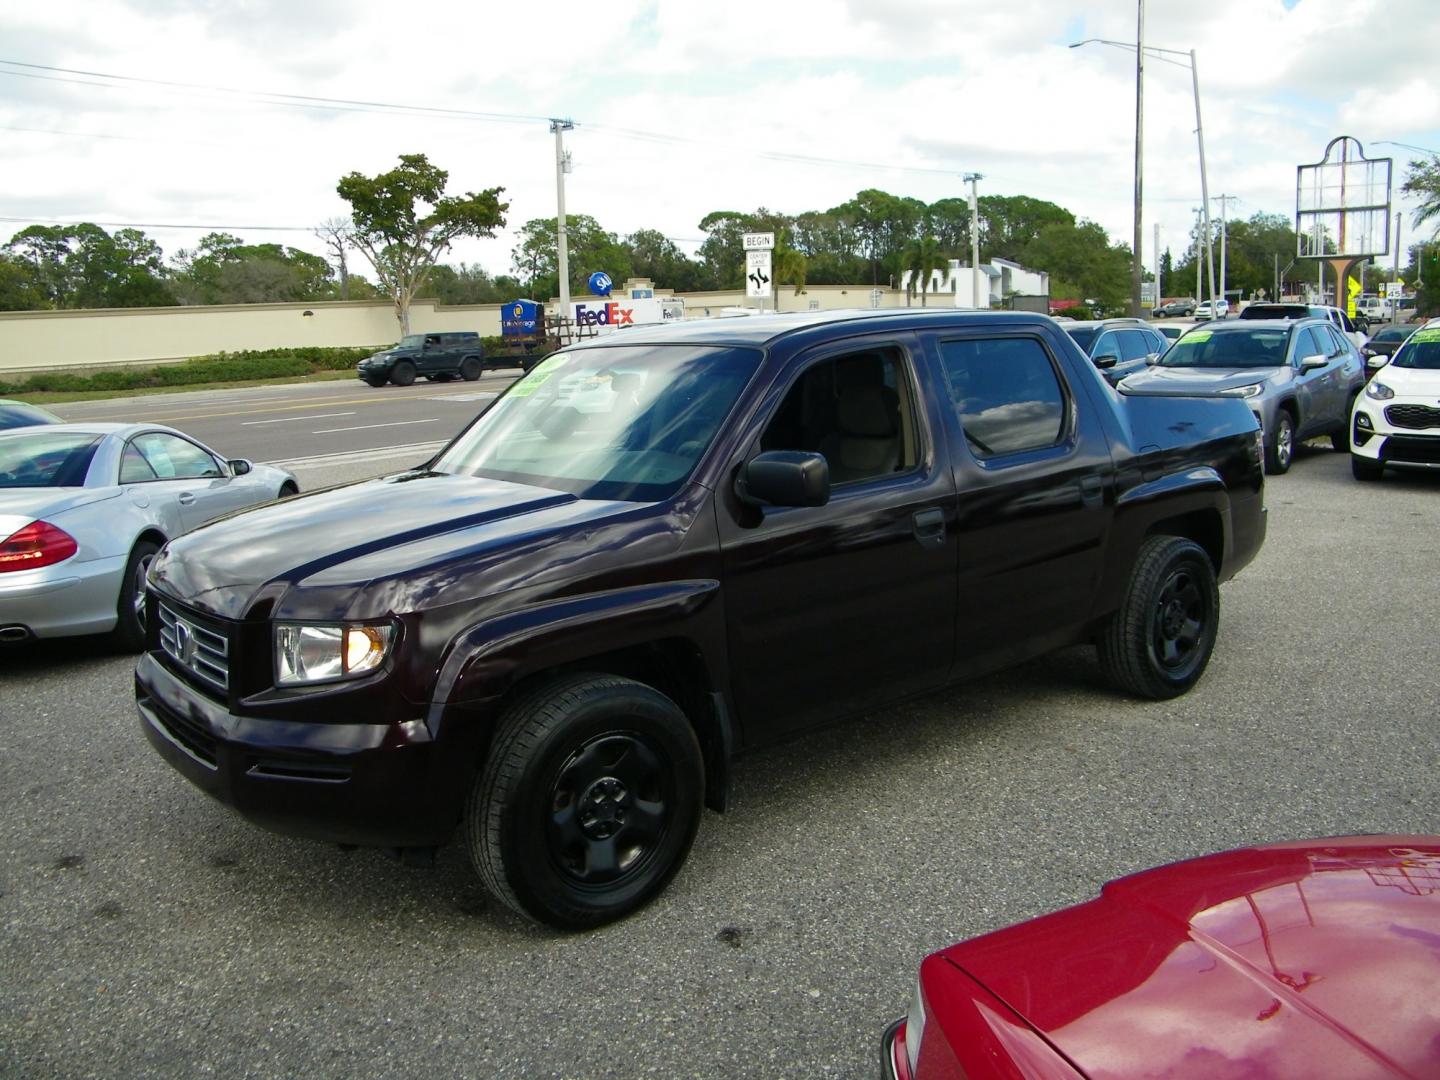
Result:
1253,390
1379,391
307,653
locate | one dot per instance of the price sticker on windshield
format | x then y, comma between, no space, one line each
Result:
1196,337
1426,335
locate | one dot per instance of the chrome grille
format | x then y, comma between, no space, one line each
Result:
1413,416
200,648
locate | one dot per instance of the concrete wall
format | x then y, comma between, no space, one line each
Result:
31,340
34,340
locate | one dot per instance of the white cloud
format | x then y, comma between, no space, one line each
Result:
932,88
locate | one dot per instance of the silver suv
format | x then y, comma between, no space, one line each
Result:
1299,377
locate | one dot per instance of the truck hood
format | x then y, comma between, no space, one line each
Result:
343,538
1290,960
1206,381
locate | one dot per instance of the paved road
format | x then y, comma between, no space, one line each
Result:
303,420
145,931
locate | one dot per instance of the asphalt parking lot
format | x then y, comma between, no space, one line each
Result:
145,931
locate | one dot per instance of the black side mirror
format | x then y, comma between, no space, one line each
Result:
239,466
784,478
1107,360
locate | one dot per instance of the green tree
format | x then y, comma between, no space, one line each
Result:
788,267
655,256
222,269
404,221
1010,223
589,247
1422,180
20,287
83,266
1081,262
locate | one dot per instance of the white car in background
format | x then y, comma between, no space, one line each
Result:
85,507
1207,310
1396,421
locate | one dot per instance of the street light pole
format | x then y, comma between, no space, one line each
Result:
1165,54
1135,274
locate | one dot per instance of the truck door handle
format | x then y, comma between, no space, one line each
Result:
929,526
1092,490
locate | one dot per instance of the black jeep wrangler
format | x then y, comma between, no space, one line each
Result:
440,356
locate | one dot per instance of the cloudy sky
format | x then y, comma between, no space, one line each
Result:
203,112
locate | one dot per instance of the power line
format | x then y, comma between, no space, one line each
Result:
158,225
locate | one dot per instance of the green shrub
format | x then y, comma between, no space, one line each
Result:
221,367
1074,312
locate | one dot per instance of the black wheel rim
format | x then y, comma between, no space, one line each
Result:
609,810
1180,622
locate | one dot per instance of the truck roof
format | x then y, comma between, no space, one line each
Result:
760,330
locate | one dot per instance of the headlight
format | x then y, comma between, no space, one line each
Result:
1253,390
1379,391
306,653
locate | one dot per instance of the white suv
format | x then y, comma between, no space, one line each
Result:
1396,421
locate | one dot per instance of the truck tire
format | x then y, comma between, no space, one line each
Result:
403,373
588,801
470,368
1280,446
1158,643
129,633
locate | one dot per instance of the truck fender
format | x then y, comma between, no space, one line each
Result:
486,660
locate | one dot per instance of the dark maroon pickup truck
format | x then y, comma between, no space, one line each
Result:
670,546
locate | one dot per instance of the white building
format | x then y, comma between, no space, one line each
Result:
999,278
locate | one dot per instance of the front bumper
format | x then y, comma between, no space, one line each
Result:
371,784
1373,436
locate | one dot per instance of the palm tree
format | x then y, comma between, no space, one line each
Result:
789,266
922,257
1423,181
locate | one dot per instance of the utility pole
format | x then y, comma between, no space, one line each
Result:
972,179
562,166
1159,294
1223,199
1198,294
1139,141
1395,302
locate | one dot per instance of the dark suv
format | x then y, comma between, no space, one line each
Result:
1118,347
434,356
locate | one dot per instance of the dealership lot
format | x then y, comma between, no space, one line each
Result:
146,931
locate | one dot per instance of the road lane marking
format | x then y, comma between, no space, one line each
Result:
484,395
329,403
292,419
346,457
367,427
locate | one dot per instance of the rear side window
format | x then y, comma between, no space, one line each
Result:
1007,394
1134,345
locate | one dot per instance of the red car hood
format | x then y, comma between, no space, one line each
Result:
1289,960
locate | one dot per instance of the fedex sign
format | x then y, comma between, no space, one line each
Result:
611,314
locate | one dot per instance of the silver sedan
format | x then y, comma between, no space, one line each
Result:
85,507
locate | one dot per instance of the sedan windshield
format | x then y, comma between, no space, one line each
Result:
1083,335
44,459
1393,333
1421,352
1228,349
607,423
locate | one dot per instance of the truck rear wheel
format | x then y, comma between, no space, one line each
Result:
1158,644
588,802
470,368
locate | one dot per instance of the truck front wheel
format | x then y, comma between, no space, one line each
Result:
1157,645
588,801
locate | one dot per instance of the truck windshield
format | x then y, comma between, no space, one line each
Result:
1228,349
626,423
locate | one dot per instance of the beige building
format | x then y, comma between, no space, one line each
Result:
35,340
